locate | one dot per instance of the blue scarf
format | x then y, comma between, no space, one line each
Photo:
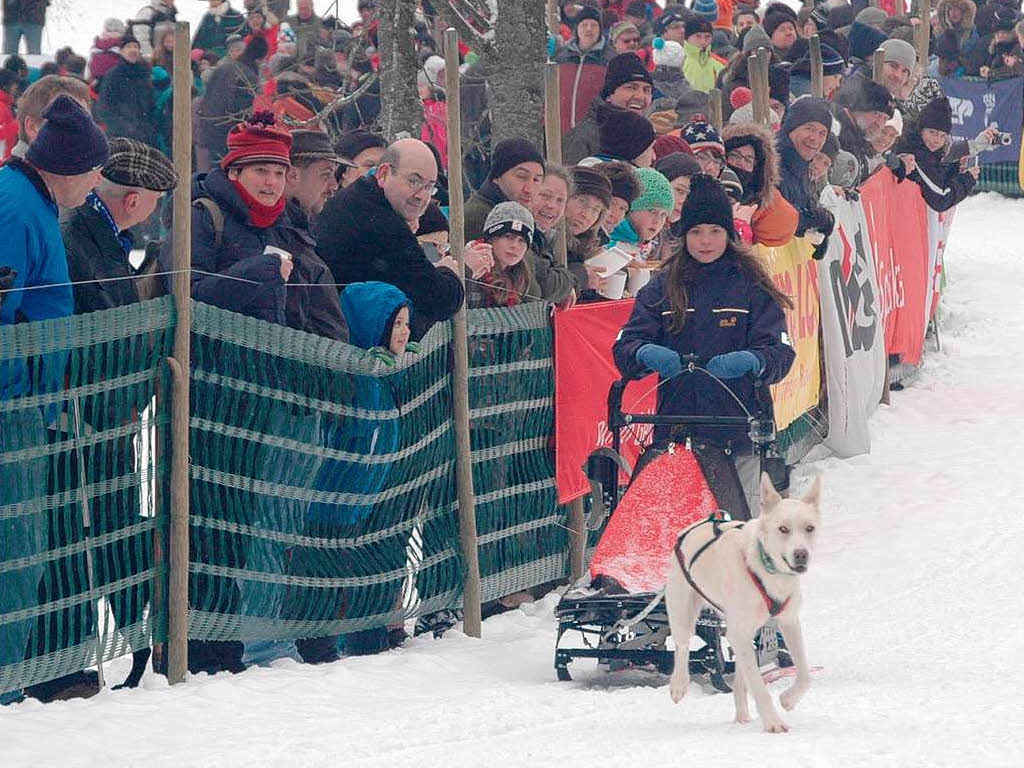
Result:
124,238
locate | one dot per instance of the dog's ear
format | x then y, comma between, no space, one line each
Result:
769,496
813,494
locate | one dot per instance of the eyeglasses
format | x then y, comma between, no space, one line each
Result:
417,183
743,160
707,156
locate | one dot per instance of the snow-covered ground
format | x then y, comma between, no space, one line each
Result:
913,608
77,22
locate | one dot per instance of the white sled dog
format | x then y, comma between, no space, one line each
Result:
748,572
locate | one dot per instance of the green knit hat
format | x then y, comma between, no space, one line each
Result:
657,193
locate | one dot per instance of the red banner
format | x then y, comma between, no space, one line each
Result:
584,371
898,227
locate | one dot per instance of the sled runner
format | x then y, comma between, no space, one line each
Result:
620,618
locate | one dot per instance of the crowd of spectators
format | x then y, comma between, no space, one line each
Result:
296,196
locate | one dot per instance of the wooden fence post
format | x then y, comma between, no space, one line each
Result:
817,69
553,140
715,108
177,611
471,594
923,32
878,68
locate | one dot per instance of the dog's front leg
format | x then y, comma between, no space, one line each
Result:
739,693
683,605
794,638
741,638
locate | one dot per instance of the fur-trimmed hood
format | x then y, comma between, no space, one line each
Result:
966,24
766,178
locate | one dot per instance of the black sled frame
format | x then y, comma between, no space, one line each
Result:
622,629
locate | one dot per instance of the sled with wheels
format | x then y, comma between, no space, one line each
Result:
620,617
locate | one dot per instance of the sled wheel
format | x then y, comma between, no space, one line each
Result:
718,683
563,674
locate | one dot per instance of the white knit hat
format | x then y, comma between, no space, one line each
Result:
667,53
113,28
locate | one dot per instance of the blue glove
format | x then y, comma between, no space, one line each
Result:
663,360
732,365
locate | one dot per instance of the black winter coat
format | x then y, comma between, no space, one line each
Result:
315,307
25,11
795,183
852,140
229,93
942,185
360,237
728,311
126,102
94,253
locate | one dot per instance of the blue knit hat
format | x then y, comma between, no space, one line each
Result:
69,143
707,9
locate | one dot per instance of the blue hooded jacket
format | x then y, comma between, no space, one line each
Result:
368,308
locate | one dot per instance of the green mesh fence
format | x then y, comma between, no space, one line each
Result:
322,483
78,517
521,530
1000,177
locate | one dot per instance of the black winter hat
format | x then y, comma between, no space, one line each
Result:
432,220
707,203
947,45
587,12
697,25
869,96
351,143
1004,19
669,17
624,134
587,181
936,115
622,69
807,109
69,143
775,18
510,153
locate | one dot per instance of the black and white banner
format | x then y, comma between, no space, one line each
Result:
851,327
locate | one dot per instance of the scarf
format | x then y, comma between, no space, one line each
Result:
260,216
124,238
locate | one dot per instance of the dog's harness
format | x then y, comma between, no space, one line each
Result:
774,606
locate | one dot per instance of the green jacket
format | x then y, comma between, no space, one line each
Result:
700,67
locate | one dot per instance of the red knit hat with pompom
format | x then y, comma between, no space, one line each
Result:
258,140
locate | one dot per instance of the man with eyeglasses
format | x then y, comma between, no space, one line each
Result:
365,233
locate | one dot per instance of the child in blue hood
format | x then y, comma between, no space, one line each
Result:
378,316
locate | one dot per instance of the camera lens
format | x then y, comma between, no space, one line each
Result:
1005,139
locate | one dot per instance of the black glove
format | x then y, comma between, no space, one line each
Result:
822,220
820,250
7,276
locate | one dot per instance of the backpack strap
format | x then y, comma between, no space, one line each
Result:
216,214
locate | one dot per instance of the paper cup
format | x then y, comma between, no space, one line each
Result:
638,278
615,285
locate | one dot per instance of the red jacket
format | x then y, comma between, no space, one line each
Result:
8,125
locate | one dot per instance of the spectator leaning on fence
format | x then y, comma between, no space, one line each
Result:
309,184
235,216
59,169
364,233
97,234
